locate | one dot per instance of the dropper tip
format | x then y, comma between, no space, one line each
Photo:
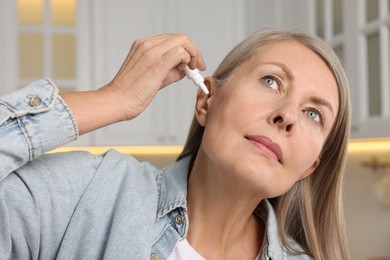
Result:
204,88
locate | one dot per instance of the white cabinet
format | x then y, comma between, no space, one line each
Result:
104,31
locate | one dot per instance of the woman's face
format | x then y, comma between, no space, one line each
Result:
266,126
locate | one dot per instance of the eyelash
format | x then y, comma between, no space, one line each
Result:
275,79
319,113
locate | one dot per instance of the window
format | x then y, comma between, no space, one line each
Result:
359,32
375,32
47,41
330,25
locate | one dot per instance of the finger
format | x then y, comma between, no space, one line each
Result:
144,44
197,62
140,46
169,50
173,63
169,54
174,40
148,52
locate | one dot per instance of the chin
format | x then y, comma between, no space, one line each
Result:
258,175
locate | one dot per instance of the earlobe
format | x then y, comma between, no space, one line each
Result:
312,168
203,101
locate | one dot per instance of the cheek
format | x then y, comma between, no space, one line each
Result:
306,156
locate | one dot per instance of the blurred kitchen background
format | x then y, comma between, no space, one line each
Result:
81,45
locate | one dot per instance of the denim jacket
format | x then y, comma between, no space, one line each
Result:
79,206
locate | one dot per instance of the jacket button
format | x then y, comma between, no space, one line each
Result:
154,256
34,101
179,219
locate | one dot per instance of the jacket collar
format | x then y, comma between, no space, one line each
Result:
172,185
273,248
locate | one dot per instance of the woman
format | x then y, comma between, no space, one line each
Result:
259,176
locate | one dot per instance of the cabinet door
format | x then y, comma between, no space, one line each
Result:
359,32
373,104
45,38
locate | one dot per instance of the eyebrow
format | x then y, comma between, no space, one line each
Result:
286,70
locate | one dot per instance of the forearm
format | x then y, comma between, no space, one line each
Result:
94,109
151,65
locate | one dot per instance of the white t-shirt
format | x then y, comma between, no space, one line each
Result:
183,250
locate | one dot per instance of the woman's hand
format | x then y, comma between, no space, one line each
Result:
151,64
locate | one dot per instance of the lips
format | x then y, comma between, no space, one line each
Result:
271,149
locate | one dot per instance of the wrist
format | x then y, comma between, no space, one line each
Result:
125,107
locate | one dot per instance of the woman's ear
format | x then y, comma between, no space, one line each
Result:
204,101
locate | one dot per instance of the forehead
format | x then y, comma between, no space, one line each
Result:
289,51
302,62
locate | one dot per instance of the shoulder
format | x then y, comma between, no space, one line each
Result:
76,170
126,172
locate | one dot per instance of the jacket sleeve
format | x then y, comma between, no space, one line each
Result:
33,120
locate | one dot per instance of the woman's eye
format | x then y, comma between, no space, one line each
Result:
271,82
314,115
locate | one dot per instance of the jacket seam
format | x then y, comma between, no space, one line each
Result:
27,138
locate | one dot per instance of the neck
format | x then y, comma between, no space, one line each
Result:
222,223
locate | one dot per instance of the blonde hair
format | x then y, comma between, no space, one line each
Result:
311,212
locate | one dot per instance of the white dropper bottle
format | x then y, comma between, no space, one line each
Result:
196,77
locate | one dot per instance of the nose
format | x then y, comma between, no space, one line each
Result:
285,117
